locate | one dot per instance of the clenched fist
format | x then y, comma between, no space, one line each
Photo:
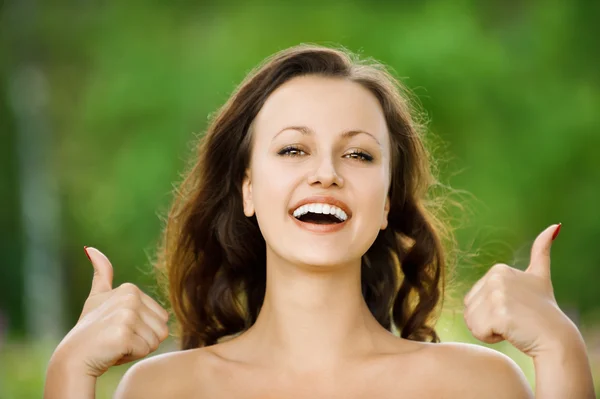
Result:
519,306
116,326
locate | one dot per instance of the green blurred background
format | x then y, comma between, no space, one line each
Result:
100,102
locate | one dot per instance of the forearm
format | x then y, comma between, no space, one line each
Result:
564,373
64,382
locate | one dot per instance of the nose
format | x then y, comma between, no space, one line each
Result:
326,174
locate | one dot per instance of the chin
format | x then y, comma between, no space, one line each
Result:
324,259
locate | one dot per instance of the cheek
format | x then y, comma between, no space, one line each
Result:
373,194
375,209
271,192
271,188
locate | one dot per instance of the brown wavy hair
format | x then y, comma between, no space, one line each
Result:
212,258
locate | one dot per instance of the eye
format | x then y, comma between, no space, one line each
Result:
294,151
361,156
291,151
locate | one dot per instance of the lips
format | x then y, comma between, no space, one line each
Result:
321,228
322,199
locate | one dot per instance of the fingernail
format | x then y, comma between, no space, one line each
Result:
86,253
556,231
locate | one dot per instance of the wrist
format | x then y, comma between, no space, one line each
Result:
67,367
563,341
64,361
562,370
66,378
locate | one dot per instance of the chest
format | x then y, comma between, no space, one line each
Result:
367,383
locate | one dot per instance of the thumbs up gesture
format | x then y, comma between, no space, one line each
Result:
519,306
116,326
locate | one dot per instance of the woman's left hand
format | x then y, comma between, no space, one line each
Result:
519,306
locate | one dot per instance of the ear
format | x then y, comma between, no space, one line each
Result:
247,193
386,211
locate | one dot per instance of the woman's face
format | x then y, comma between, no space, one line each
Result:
300,151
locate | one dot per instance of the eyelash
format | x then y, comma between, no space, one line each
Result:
364,156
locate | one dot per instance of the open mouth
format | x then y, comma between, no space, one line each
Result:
319,218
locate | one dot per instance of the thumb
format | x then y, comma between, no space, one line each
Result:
103,271
540,252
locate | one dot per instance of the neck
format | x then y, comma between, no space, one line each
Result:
313,316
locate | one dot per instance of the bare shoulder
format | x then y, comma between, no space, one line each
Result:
168,375
473,371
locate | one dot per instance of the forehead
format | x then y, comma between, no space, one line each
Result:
328,105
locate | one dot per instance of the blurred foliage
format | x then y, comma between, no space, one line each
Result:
512,88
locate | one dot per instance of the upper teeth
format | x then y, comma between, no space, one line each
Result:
325,209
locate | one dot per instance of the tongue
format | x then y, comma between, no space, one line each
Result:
319,218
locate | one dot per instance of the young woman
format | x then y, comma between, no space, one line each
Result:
304,259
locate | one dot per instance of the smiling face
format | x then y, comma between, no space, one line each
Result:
319,136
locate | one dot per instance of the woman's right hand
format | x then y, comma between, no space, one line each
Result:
116,326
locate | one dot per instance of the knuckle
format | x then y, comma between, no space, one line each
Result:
498,298
467,300
496,280
467,312
468,321
131,301
121,334
129,288
502,268
501,313
154,344
164,333
471,319
127,316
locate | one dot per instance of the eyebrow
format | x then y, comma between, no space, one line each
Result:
346,134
